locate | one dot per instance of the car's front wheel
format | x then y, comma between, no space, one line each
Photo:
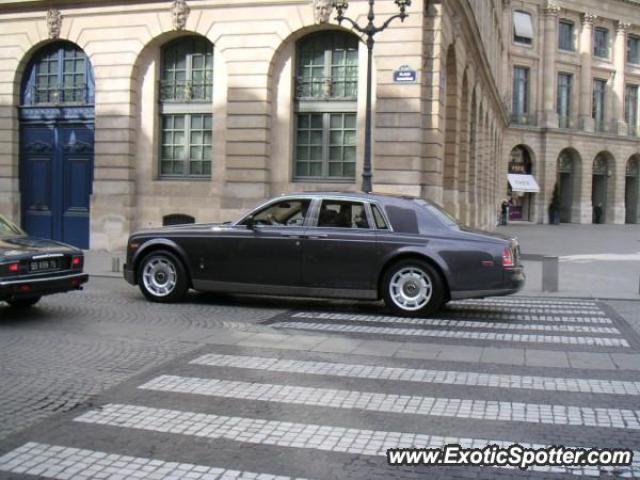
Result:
413,288
162,277
24,302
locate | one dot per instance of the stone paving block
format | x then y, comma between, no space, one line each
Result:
426,351
601,361
626,361
301,342
381,348
226,337
506,356
337,345
546,358
264,340
458,353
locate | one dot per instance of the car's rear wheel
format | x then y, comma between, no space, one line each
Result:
24,302
413,288
162,277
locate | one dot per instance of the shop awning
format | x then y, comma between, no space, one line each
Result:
523,183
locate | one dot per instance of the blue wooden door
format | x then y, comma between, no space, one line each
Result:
57,175
56,144
38,164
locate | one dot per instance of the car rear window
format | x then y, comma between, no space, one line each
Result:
403,220
440,213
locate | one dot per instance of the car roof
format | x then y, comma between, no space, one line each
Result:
359,195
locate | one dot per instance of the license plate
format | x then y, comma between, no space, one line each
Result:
44,265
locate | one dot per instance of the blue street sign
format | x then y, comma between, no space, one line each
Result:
405,74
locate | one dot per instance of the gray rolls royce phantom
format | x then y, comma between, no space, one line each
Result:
404,250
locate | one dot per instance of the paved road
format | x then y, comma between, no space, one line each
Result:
230,387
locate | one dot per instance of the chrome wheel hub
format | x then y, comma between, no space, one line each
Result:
410,288
159,276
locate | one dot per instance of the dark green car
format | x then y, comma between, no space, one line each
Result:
32,267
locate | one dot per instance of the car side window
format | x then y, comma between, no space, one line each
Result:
342,214
287,213
381,224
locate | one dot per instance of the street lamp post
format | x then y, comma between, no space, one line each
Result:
370,30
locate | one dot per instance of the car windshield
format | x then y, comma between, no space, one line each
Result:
439,212
8,229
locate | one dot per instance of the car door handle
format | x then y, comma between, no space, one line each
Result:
314,236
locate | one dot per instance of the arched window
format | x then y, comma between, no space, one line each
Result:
59,75
326,94
186,92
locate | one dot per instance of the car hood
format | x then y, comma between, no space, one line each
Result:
19,246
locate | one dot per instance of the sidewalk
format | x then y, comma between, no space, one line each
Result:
596,261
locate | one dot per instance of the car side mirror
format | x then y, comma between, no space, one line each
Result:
250,222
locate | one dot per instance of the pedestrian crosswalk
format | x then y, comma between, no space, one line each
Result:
269,413
555,324
421,375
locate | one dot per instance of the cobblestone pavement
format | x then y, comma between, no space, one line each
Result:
253,388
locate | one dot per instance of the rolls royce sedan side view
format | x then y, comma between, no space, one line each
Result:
404,250
32,267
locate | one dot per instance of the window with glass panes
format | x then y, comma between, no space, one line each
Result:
564,98
599,89
565,35
187,70
326,94
633,49
186,92
61,76
520,90
601,42
631,109
186,145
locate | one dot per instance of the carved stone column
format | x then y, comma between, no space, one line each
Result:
586,79
550,116
618,123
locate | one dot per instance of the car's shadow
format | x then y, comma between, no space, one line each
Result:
10,316
376,308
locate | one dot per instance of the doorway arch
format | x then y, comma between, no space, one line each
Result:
632,190
57,144
568,185
602,188
522,200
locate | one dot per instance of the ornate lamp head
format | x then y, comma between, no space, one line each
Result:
340,6
402,5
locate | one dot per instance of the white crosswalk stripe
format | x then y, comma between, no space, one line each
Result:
551,309
404,404
488,322
293,434
492,336
58,462
440,322
528,302
447,377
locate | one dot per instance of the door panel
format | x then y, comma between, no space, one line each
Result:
36,178
266,255
339,258
77,164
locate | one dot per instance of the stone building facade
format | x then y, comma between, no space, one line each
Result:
574,77
117,115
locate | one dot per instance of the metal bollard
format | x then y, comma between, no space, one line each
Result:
550,274
115,264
